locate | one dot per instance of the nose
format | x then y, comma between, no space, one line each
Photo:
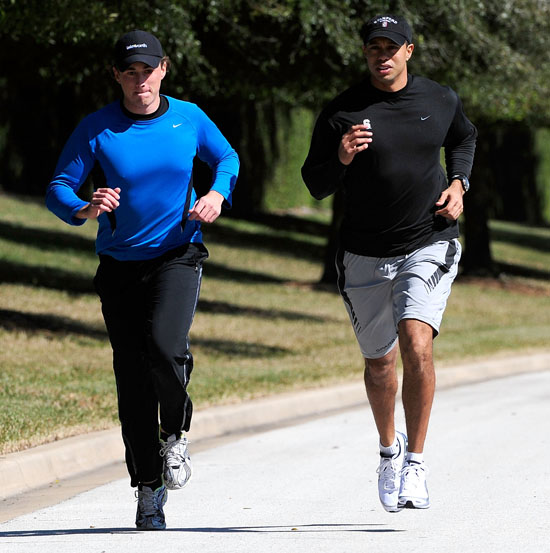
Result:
140,79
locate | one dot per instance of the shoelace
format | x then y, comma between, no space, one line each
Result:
175,452
409,470
388,469
148,502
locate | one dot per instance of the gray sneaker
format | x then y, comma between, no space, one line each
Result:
150,515
389,475
177,463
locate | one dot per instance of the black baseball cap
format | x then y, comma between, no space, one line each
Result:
389,26
137,46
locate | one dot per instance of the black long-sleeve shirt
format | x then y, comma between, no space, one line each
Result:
392,186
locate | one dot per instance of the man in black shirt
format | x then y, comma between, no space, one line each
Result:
380,140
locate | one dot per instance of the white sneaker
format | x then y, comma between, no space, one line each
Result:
413,493
389,475
177,463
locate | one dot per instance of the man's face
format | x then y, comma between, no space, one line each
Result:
387,63
141,86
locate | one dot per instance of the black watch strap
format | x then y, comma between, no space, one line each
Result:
464,180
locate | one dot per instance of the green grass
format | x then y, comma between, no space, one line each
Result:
293,138
263,325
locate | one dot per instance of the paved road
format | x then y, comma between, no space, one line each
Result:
312,488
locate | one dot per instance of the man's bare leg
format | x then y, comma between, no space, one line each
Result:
416,345
381,386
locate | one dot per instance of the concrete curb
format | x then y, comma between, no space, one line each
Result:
39,466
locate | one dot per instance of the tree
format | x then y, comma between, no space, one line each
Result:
240,59
502,75
247,62
481,49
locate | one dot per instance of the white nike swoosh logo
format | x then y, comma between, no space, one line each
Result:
424,118
174,126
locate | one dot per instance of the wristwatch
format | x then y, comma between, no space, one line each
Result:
464,180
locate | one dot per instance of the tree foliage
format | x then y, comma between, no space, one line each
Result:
495,52
249,61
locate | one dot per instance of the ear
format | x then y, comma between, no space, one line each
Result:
164,69
410,49
116,74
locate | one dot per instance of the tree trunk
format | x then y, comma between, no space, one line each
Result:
250,127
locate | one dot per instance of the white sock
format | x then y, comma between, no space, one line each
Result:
415,457
391,450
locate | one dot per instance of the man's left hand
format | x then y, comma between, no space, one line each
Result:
208,208
451,198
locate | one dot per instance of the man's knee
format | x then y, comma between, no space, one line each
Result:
415,343
381,370
169,360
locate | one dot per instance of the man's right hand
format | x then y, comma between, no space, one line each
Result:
103,200
354,141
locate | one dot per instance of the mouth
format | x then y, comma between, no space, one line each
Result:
383,69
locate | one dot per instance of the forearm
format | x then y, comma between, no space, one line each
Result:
63,202
459,160
460,145
323,171
226,172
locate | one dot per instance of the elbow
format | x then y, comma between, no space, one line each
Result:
316,188
318,194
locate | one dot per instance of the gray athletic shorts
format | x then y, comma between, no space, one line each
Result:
380,292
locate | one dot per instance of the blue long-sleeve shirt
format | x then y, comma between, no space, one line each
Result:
151,161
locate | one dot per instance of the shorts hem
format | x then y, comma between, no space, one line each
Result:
416,317
379,355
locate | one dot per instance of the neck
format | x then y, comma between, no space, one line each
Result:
142,109
394,86
162,109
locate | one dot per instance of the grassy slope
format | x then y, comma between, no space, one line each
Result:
263,325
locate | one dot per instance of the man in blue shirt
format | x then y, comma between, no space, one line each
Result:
149,243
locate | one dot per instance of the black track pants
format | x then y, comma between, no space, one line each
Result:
148,307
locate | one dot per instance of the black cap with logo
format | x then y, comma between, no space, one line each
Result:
137,46
389,26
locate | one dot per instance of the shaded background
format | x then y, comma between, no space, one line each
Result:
262,70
